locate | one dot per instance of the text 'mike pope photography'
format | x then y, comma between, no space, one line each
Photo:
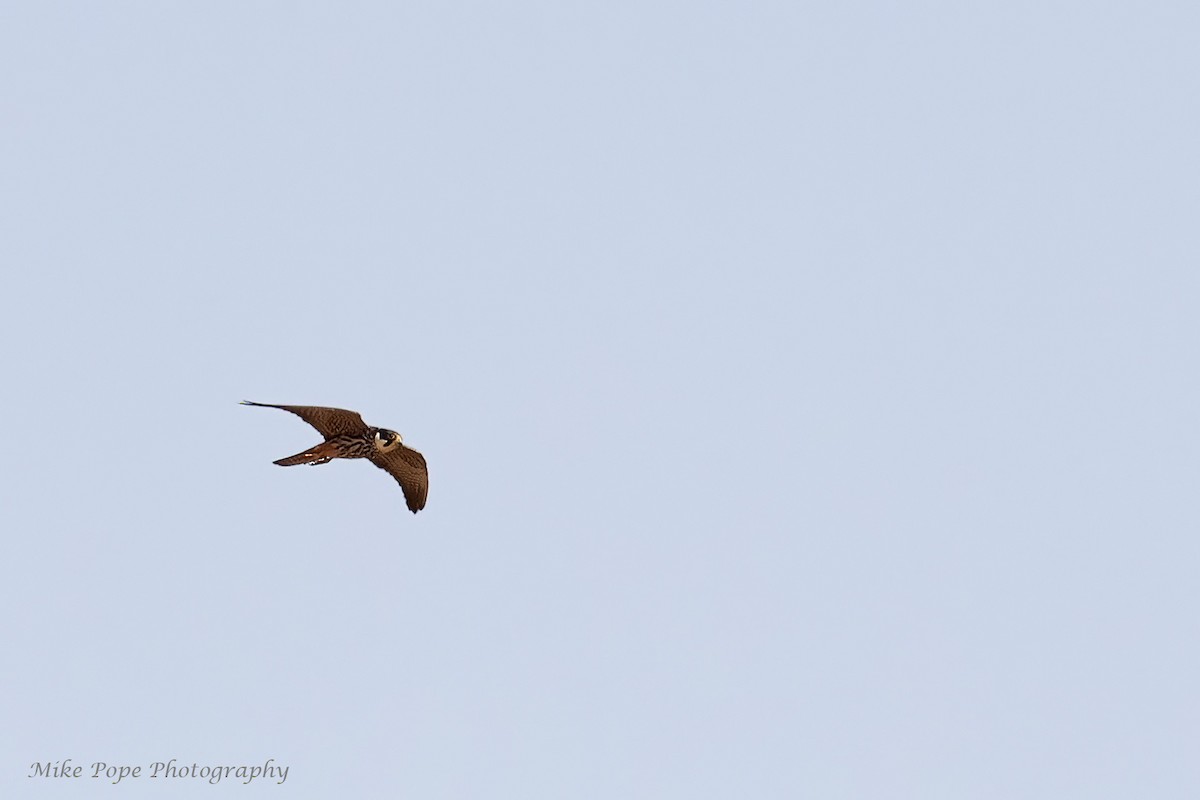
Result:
115,773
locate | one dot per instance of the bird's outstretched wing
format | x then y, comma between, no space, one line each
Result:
407,466
329,422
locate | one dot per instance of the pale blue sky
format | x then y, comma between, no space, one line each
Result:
809,391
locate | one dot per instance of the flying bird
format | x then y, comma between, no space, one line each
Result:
347,436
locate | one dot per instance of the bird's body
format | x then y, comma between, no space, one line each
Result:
343,446
347,436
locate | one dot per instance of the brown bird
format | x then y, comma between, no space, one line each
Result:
347,436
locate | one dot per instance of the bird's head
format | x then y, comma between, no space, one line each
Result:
386,441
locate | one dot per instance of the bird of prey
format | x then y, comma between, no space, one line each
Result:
347,436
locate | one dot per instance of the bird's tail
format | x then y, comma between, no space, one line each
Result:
314,455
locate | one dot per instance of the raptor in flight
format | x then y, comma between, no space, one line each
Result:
347,436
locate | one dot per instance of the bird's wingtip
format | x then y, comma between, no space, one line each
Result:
247,403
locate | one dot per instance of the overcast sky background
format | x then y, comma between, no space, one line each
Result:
809,392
